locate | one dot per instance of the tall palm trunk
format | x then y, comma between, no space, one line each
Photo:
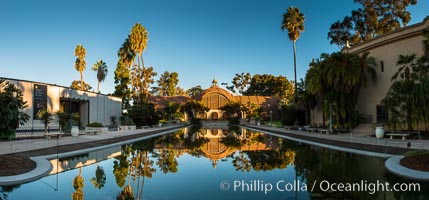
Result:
146,89
82,87
294,69
98,86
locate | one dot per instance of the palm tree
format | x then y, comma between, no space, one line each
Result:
101,68
407,63
336,79
80,63
293,22
138,41
46,118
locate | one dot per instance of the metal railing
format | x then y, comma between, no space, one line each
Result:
35,131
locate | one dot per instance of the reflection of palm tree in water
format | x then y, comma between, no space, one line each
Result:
140,167
242,162
78,184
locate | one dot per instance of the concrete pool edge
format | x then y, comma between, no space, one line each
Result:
328,146
43,165
392,163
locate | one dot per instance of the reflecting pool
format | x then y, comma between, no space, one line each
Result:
217,163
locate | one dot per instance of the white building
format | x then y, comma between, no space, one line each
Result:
92,107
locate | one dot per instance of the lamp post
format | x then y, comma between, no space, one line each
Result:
270,113
271,118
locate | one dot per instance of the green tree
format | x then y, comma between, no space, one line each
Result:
293,22
77,85
240,82
167,84
80,64
194,91
269,85
374,18
141,77
172,111
12,105
46,118
194,108
232,109
122,79
101,68
335,81
143,114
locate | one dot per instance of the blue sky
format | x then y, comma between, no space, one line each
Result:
199,39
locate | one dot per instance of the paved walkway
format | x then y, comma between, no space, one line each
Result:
17,146
354,138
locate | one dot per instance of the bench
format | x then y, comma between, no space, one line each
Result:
403,135
326,131
49,135
312,129
290,127
91,131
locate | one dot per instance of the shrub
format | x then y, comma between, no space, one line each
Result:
127,121
95,124
11,114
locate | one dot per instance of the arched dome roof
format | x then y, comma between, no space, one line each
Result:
215,90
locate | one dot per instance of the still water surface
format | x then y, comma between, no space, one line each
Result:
214,164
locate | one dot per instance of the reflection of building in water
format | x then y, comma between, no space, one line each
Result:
215,150
81,160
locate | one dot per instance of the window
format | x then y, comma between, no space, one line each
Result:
382,115
382,66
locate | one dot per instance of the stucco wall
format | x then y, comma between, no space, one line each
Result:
386,49
98,108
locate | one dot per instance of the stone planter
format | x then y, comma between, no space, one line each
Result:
126,128
379,132
97,129
75,131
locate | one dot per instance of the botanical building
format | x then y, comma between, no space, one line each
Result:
215,97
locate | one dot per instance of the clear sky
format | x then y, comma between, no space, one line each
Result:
199,39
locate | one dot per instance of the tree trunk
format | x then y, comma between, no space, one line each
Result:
98,86
294,69
82,87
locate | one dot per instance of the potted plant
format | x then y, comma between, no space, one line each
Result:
379,131
62,120
75,124
96,126
45,117
127,123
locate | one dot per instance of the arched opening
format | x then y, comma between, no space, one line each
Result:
214,116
